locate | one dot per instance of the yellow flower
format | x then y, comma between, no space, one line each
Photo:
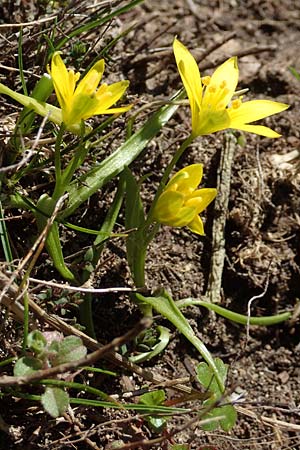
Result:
79,101
211,101
181,202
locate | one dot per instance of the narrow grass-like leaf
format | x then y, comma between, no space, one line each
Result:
96,23
85,186
102,404
20,61
4,236
165,305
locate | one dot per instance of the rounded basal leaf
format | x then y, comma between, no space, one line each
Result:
26,365
55,401
69,349
36,341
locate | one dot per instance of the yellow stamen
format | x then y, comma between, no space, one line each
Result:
212,89
205,80
236,103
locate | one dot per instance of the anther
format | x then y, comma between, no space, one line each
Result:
236,103
205,80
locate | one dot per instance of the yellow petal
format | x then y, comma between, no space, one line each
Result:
212,120
187,179
201,198
64,81
184,216
224,80
91,80
254,110
112,94
258,129
167,207
196,226
190,75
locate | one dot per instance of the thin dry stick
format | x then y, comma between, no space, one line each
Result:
26,158
221,207
73,365
58,324
28,24
271,422
81,289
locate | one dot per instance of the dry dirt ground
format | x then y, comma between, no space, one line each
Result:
262,234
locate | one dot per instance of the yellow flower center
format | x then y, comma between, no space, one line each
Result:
214,95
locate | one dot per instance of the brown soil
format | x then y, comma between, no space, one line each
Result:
262,230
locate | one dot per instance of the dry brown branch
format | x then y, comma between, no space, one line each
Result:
73,365
58,324
271,422
220,209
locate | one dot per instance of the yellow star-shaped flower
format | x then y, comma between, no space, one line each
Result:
181,202
211,101
82,100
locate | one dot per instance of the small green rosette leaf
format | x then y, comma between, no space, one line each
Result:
55,401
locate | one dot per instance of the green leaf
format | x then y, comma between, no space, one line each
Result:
55,401
69,349
155,398
156,348
165,305
134,211
136,241
228,414
46,206
26,365
86,185
181,447
36,341
41,92
206,377
295,73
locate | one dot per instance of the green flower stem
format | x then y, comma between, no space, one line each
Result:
59,188
26,320
147,234
235,317
166,306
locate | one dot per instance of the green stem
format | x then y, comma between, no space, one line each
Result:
139,262
26,320
86,315
235,317
59,189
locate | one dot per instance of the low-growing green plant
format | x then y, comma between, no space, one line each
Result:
45,350
215,105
